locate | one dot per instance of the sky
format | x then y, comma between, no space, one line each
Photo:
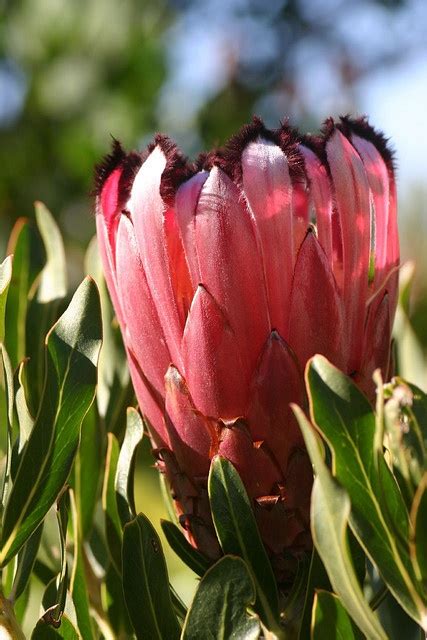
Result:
397,101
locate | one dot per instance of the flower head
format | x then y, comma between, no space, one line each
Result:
226,277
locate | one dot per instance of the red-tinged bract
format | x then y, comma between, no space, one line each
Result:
226,277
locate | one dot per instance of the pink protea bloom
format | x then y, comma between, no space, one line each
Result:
226,277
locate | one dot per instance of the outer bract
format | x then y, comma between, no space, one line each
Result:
226,276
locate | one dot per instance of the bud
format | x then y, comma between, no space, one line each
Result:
226,277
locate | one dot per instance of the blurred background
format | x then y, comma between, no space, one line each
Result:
74,73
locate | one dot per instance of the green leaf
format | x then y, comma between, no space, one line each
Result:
418,542
25,419
146,583
379,517
317,579
67,631
219,607
113,526
25,563
5,277
114,604
184,550
89,469
44,299
78,583
6,378
124,481
330,620
238,534
167,498
28,255
72,350
330,511
62,512
53,277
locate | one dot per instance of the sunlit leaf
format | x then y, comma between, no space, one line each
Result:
113,526
330,512
124,480
6,380
72,351
28,258
53,278
89,468
419,523
379,517
5,277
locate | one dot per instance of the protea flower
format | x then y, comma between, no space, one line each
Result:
226,277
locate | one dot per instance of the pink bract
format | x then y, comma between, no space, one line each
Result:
226,276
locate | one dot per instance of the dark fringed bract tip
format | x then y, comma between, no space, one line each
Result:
130,167
229,157
361,127
177,170
110,162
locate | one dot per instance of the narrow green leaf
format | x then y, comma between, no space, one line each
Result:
146,583
238,534
379,517
25,419
418,541
53,278
184,550
43,572
72,351
296,598
5,277
330,511
6,378
25,563
167,499
89,468
219,608
28,257
62,513
330,620
78,583
114,604
317,579
124,481
113,526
